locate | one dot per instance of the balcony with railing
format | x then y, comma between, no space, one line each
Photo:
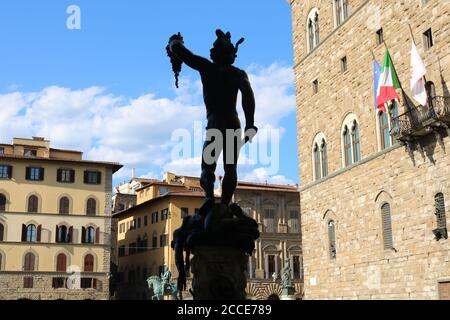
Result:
420,121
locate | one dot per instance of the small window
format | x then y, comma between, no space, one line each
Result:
154,217
65,176
315,86
163,240
164,214
35,174
385,134
428,39
344,64
90,235
269,220
2,150
145,221
5,172
387,226
439,203
332,239
380,36
92,177
163,191
30,152
31,233
184,212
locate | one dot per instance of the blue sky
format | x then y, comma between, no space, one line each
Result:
116,65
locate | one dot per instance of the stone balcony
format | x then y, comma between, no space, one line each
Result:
420,121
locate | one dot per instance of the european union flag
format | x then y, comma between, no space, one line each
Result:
376,79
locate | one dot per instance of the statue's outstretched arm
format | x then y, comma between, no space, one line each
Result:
177,47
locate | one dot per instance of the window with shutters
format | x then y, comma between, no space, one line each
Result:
61,263
154,241
92,177
31,233
64,205
269,220
5,172
35,174
89,263
65,176
2,232
33,204
91,207
2,202
387,226
29,266
332,238
64,234
294,221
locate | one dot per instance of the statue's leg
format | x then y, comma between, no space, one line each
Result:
229,182
208,178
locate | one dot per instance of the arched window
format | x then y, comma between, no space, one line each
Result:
2,202
64,204
317,170
33,204
63,234
61,263
313,29
439,204
91,207
341,10
2,232
31,233
29,262
89,263
324,158
356,144
332,238
347,147
387,226
385,134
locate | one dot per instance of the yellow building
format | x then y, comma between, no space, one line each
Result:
55,218
146,230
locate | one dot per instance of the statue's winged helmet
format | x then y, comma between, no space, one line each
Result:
224,51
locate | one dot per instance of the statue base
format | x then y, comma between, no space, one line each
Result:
288,294
219,273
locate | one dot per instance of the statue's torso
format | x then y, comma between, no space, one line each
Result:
220,91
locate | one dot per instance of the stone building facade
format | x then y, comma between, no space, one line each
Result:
55,223
374,186
276,209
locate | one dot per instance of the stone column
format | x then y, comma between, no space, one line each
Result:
219,273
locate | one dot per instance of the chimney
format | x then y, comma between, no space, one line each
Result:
133,173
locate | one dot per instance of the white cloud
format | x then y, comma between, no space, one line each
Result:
136,131
262,175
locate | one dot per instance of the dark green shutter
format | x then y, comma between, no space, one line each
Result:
41,174
24,233
10,170
72,176
59,175
28,173
83,235
99,178
39,231
86,176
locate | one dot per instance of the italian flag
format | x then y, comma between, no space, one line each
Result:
388,83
